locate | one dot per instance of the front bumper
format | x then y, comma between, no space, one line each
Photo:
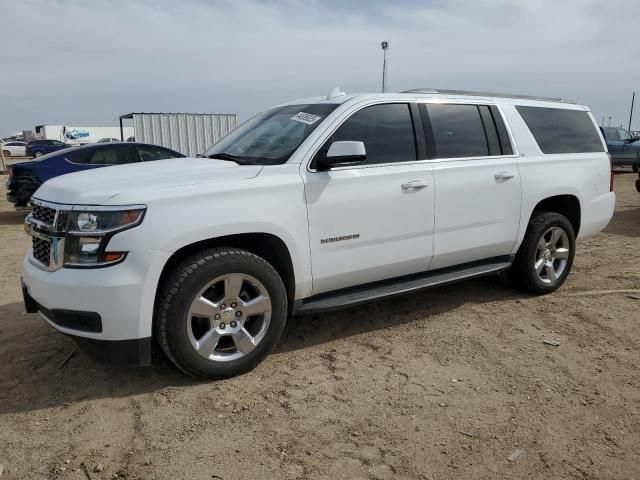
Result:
134,352
104,309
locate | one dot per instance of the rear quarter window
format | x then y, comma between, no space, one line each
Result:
559,130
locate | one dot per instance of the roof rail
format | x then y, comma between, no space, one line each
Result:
483,94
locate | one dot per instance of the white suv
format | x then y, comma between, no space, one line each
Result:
313,205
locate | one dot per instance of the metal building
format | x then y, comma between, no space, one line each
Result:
188,133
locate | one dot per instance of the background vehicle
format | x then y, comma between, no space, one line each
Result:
26,177
108,140
314,205
13,149
37,148
623,147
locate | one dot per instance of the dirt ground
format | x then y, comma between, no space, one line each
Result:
445,384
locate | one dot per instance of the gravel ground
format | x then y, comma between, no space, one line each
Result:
455,382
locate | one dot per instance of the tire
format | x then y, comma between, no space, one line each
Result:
212,319
38,154
556,258
6,153
635,167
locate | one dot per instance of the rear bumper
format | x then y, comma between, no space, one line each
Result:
596,214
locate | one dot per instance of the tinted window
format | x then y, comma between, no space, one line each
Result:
490,130
457,131
559,130
610,133
150,153
386,131
103,156
624,135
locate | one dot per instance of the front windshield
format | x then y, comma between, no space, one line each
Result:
271,137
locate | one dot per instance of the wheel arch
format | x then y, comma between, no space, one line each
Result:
566,204
266,245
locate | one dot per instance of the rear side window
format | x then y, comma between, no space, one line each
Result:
149,153
386,131
611,133
458,131
559,130
103,156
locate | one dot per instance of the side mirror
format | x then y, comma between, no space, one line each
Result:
342,154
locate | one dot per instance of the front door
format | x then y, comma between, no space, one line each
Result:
372,221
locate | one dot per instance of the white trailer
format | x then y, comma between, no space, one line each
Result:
188,133
79,135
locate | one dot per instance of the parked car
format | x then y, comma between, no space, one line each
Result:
623,147
108,140
314,205
37,148
26,177
13,149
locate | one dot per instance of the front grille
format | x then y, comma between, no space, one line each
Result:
41,250
43,214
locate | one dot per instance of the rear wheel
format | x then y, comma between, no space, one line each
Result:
221,312
6,153
38,154
545,257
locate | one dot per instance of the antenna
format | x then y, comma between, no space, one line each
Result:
385,47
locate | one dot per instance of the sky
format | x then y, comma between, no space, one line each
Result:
86,62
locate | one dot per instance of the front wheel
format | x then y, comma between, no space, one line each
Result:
221,312
545,257
6,153
37,154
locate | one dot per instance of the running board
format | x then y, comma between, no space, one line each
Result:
353,296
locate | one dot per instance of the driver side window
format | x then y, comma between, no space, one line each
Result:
386,131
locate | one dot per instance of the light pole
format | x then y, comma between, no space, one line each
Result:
385,47
633,98
609,124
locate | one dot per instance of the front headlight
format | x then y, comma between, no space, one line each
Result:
89,232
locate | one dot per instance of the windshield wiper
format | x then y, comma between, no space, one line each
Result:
228,157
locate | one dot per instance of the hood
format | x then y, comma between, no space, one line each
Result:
97,186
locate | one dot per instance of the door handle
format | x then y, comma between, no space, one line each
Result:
504,175
415,185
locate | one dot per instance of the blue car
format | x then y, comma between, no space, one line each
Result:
26,177
623,147
37,148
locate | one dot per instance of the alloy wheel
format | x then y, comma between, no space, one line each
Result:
552,255
229,317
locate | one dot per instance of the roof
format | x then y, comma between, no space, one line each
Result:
436,91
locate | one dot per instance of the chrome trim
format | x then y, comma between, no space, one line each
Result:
56,232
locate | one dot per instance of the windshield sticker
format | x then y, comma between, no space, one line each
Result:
305,118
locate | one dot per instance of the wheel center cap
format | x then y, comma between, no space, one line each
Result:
227,315
547,254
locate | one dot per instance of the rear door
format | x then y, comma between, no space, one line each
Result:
372,221
477,183
614,144
630,150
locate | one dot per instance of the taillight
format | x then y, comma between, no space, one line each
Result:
611,174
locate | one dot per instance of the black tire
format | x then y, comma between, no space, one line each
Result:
635,167
6,153
522,273
38,154
178,292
